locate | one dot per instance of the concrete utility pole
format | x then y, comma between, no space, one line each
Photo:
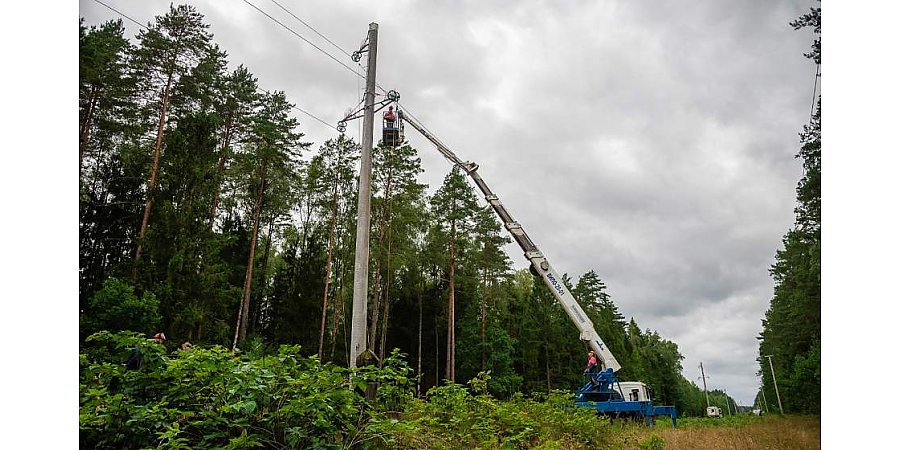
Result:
776,384
703,375
762,390
727,403
358,344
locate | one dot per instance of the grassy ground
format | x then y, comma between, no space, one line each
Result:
734,432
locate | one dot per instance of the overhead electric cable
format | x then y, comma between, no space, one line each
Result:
121,14
383,91
812,108
311,28
314,117
257,88
305,40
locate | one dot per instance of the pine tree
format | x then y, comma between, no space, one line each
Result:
336,158
108,192
272,160
398,200
168,49
238,98
104,84
792,326
453,209
590,291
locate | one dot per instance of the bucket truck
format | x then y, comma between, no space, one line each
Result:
603,392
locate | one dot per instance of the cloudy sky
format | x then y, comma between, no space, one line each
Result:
652,142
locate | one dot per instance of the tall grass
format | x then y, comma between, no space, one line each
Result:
727,433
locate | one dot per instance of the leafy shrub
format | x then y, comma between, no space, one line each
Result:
211,398
456,417
115,307
653,442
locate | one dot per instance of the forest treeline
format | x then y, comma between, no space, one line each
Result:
205,214
791,341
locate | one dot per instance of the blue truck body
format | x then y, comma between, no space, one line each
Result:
603,393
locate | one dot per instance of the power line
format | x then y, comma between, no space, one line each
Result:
121,14
359,75
259,89
311,28
812,108
305,40
314,117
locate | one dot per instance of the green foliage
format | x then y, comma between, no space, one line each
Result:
232,171
211,398
792,325
653,442
208,397
115,307
455,418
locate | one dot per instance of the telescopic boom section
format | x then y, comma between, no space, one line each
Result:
539,264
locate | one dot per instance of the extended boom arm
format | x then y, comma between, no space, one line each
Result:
539,264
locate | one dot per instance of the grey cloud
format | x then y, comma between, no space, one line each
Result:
652,142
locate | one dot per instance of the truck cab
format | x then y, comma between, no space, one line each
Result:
713,411
634,391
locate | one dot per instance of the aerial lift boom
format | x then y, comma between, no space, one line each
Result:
603,393
540,266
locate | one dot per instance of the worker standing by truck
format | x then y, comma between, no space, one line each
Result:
591,362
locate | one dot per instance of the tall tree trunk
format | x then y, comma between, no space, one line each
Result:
338,321
339,312
419,350
86,125
341,270
389,274
260,293
383,225
151,185
483,313
547,364
240,332
387,304
223,159
331,236
451,314
437,354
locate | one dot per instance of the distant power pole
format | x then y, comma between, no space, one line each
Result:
762,390
703,375
727,403
358,344
776,384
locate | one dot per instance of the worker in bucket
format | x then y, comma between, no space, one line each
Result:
390,117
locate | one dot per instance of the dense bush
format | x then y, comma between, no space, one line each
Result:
116,307
211,398
453,417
